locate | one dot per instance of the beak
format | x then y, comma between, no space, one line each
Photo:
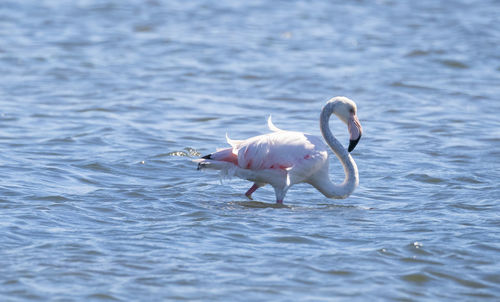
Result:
352,144
355,131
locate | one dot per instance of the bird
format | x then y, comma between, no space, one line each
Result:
283,158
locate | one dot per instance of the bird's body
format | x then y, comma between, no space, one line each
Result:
284,158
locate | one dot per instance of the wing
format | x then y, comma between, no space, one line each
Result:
280,150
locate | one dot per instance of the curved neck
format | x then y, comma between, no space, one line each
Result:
351,179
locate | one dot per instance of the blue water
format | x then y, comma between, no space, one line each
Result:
104,105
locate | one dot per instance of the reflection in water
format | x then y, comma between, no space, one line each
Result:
258,204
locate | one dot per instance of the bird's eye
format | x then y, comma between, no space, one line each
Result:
351,111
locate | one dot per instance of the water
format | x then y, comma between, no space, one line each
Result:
103,105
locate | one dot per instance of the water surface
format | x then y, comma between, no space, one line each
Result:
104,104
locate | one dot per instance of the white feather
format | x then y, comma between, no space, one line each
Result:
271,126
233,142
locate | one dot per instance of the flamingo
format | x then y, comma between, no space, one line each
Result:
284,158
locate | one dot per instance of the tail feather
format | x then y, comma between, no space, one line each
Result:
226,155
227,169
219,160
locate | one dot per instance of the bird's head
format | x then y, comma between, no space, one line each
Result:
346,110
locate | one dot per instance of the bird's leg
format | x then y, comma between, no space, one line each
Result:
251,190
280,194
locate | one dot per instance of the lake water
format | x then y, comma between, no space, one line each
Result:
104,105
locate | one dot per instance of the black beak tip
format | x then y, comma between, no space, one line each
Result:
206,156
353,143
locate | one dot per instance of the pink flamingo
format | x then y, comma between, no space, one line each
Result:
284,158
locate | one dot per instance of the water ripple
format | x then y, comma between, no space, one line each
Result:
104,104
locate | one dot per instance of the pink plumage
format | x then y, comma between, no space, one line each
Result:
283,158
277,150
